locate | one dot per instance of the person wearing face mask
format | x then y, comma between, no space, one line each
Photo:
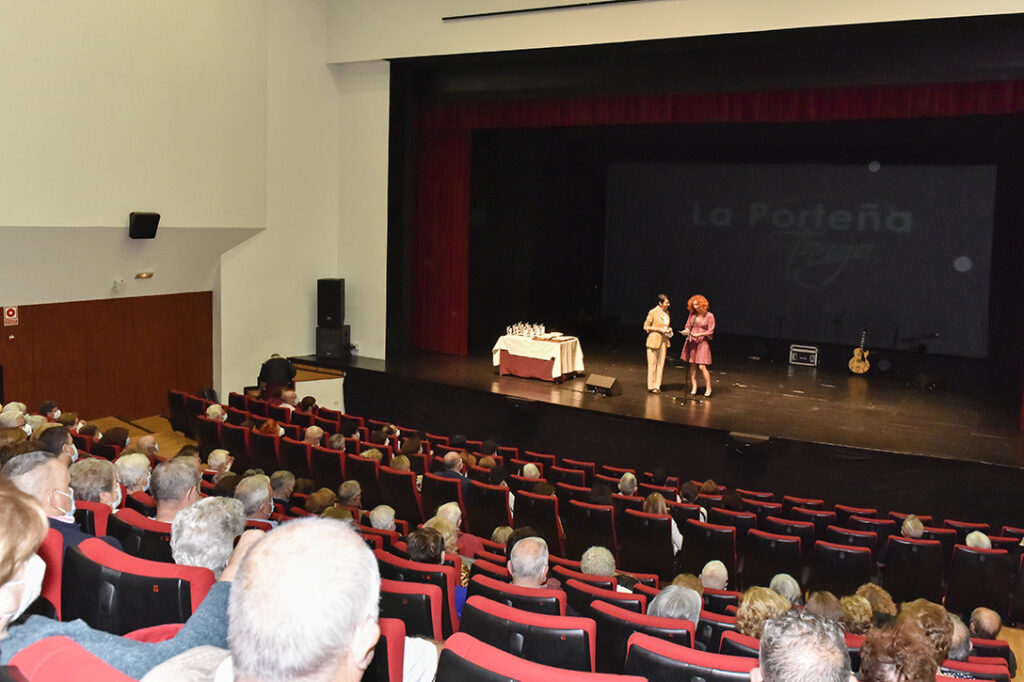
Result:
21,570
148,446
95,480
50,409
133,472
116,436
57,441
14,418
44,477
174,486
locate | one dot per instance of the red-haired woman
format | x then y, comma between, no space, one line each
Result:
700,328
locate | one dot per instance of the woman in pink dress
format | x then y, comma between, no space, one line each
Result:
700,328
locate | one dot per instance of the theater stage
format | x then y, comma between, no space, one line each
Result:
883,440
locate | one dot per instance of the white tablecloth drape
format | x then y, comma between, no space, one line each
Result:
566,352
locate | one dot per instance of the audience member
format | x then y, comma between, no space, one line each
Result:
655,504
500,534
307,404
425,545
977,540
857,614
225,484
204,534
45,478
401,463
897,653
799,647
220,461
732,501
254,492
675,601
986,624
757,605
447,531
14,418
453,469
627,484
117,436
339,513
528,564
600,561
912,527
531,470
133,472
691,581
95,480
57,441
933,620
350,494
960,646
304,486
372,453
883,609
174,486
825,605
788,587
714,575
50,410
322,500
336,442
382,517
217,413
314,435
282,483
148,446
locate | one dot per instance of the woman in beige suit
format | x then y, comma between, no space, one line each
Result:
659,332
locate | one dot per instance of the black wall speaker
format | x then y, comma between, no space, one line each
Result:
333,342
142,225
330,302
605,385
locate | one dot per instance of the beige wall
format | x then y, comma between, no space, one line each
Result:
362,30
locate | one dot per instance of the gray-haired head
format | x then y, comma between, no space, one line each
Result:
960,648
977,540
788,587
173,479
254,492
528,562
91,477
598,561
799,647
204,534
627,483
714,575
318,577
676,601
382,517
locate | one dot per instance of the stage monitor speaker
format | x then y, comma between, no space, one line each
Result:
330,302
142,225
333,342
599,383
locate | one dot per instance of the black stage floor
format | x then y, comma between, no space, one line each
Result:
824,405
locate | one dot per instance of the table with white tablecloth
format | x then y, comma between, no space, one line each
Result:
552,359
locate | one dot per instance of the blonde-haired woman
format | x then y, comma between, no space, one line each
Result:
700,329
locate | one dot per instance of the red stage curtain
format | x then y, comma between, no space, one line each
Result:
441,271
442,155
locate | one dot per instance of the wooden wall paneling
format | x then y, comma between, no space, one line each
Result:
16,357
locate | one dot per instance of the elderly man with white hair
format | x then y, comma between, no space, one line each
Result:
468,544
714,575
95,480
133,472
147,445
219,461
530,470
627,484
317,579
255,494
174,486
799,646
676,601
977,540
204,534
528,563
788,587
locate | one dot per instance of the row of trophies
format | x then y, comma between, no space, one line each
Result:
524,329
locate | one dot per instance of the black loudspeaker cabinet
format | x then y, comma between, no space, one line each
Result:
330,303
605,385
333,342
142,225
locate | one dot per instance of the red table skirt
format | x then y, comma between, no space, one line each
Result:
530,368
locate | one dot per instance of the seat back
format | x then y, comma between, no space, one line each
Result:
913,568
444,576
536,599
661,661
389,653
740,520
178,412
588,525
646,543
962,528
566,493
540,512
118,593
94,516
418,605
790,501
737,644
588,469
615,625
560,641
142,503
468,659
51,551
541,458
762,509
235,439
263,448
564,573
844,512
294,455
681,512
840,569
707,541
801,529
497,571
207,435
882,528
978,577
327,467
556,474
364,470
140,536
719,601
437,490
486,508
768,554
855,538
399,489
821,518
711,627
581,595
757,495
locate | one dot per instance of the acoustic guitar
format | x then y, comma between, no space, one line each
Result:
859,362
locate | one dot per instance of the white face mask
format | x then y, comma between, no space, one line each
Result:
98,436
32,579
71,497
117,503
127,440
156,448
27,429
56,414
74,453
149,477
280,430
